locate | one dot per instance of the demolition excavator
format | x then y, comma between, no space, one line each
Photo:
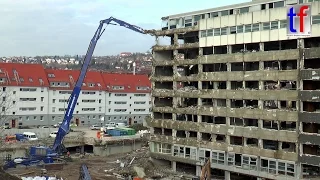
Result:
39,154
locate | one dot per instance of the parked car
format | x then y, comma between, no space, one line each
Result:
53,134
57,125
43,127
95,127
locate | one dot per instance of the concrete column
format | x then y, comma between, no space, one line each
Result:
174,133
229,49
199,118
260,104
174,116
227,175
261,46
174,85
260,123
199,136
228,103
200,51
82,150
198,170
228,139
299,171
174,166
200,68
228,85
200,85
261,85
199,102
300,43
260,143
280,146
228,66
261,65
245,141
215,85
175,39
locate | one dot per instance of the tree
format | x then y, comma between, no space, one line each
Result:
7,103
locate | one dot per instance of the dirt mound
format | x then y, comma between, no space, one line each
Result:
6,176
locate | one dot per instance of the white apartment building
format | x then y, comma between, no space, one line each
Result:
41,95
24,94
127,98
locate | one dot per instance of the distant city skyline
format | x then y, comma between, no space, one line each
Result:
59,27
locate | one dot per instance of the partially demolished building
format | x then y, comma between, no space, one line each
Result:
232,87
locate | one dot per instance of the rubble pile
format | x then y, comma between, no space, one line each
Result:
137,163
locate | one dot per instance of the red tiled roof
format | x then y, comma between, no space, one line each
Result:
129,81
29,75
71,76
34,72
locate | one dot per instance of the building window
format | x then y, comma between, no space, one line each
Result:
249,162
53,118
279,4
274,24
197,18
247,28
203,33
120,94
214,14
218,157
224,31
283,24
240,29
255,27
139,95
233,30
139,102
41,108
316,19
209,32
266,26
244,10
217,32
118,87
41,118
231,159
188,22
225,13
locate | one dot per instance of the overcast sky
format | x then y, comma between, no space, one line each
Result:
65,27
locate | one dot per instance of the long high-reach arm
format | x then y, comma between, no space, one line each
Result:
65,126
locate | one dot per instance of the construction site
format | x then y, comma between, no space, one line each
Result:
233,97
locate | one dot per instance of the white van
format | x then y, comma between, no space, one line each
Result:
31,136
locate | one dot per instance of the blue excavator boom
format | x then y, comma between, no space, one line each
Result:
65,126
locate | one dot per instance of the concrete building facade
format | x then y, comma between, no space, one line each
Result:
232,87
40,96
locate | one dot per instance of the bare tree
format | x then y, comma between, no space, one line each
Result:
6,106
